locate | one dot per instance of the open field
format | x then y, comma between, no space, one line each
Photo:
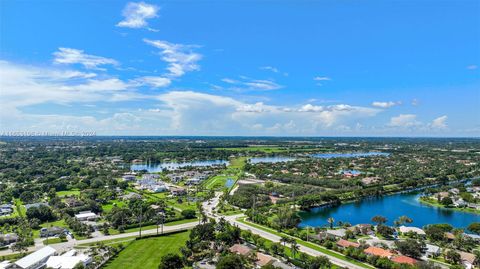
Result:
147,253
74,192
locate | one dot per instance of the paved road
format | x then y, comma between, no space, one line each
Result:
209,207
61,247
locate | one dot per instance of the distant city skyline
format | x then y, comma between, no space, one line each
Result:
236,68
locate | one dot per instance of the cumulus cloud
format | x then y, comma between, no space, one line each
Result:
76,56
136,15
385,104
270,68
404,120
180,58
440,122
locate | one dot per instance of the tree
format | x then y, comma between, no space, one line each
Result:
189,213
231,261
319,262
294,247
436,232
379,219
284,239
331,221
402,220
171,261
453,257
474,227
385,231
446,201
411,248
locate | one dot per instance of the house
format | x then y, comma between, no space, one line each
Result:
338,233
128,177
432,250
263,259
404,260
380,252
240,249
6,209
369,180
442,195
158,188
459,202
475,237
364,229
468,259
449,236
7,239
405,229
131,196
52,231
342,243
68,260
455,191
86,216
151,176
36,260
177,191
193,181
73,202
4,264
281,265
35,205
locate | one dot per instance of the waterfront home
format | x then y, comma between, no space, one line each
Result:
86,216
380,252
6,209
35,260
405,230
7,239
475,237
364,229
404,260
442,195
459,202
331,234
432,251
240,249
52,231
468,259
449,236
342,243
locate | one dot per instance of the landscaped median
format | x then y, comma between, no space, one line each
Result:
306,244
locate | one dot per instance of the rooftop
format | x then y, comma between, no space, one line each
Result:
35,257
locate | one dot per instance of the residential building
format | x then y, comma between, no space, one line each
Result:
7,239
240,249
86,216
404,260
68,260
342,243
380,252
52,231
6,209
405,229
177,191
35,205
36,260
432,250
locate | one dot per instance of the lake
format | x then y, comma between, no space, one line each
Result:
349,155
159,167
391,207
275,159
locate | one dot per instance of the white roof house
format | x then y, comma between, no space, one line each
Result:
405,229
35,260
86,215
432,249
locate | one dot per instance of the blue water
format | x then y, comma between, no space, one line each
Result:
275,159
391,207
349,155
229,183
159,167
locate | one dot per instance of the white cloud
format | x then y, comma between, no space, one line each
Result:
440,122
248,84
472,67
385,104
75,56
322,78
270,68
136,15
180,58
404,120
155,82
415,102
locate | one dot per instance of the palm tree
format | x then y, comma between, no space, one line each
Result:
284,239
294,247
331,221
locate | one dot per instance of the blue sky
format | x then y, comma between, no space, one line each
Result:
346,68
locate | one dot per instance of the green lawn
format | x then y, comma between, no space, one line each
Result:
74,192
147,253
268,149
108,207
59,223
238,163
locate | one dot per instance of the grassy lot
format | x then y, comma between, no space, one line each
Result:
268,149
53,241
308,244
108,207
73,192
238,163
217,182
147,253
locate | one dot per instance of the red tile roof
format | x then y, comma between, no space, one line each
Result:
240,249
345,243
404,259
378,252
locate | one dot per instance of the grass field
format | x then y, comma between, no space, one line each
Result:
108,207
238,163
74,192
270,149
147,253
